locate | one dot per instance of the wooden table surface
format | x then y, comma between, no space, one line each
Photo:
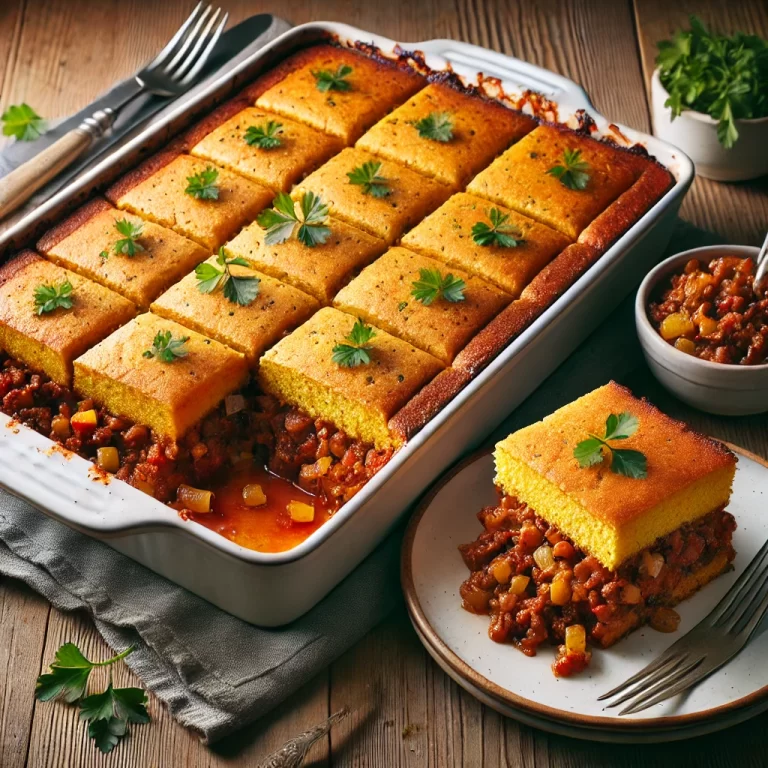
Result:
58,55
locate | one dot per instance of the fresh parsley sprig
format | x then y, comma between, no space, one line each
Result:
432,285
108,713
325,80
498,233
282,222
203,186
239,289
264,136
723,77
166,348
573,172
357,349
52,296
368,178
436,126
625,462
23,123
128,244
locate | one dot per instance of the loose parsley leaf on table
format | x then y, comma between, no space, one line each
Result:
573,172
624,461
53,296
166,348
128,245
22,122
264,136
357,350
367,176
436,126
498,233
239,289
723,77
325,80
432,285
202,186
282,222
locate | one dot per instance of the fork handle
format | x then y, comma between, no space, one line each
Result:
20,184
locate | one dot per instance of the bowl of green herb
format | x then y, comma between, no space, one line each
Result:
709,97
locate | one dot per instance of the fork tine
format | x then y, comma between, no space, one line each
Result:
648,669
173,43
673,685
672,665
754,605
203,57
724,609
202,40
189,40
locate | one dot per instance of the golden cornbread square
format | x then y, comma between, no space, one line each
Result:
370,89
301,149
609,515
382,296
519,178
300,370
412,196
161,198
49,342
320,270
164,258
479,130
446,235
167,397
249,329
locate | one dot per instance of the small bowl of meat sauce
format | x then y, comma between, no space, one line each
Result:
703,332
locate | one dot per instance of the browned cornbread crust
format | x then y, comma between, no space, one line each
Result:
73,222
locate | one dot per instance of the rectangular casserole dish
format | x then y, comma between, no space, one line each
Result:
273,589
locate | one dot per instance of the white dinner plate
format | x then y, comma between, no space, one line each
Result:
432,571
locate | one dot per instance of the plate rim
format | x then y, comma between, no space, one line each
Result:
463,669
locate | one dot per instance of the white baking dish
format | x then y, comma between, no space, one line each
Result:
273,589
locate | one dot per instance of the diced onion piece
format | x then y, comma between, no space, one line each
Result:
544,557
108,459
301,512
630,594
707,326
575,639
144,487
676,324
84,421
194,499
502,571
254,496
652,563
560,590
685,345
234,404
519,584
664,620
60,427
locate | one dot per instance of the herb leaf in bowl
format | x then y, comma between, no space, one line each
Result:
723,77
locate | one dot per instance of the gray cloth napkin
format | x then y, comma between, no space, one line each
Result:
217,673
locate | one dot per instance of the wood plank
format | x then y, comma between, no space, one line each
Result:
23,621
737,211
11,15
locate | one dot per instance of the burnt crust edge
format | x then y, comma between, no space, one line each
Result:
12,267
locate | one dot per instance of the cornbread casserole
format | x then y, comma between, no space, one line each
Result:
588,549
322,262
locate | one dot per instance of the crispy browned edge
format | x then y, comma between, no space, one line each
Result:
16,264
74,221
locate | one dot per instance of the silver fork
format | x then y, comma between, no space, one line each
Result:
170,73
711,643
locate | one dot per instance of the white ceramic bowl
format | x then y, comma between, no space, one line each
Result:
696,134
729,390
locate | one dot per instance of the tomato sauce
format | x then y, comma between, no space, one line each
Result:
268,528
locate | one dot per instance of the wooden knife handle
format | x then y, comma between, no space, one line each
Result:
19,185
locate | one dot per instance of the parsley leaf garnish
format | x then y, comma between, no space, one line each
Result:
718,75
432,285
625,462
367,176
167,349
282,221
325,80
107,713
436,126
128,244
498,233
239,289
53,296
572,173
22,122
356,351
264,136
202,186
